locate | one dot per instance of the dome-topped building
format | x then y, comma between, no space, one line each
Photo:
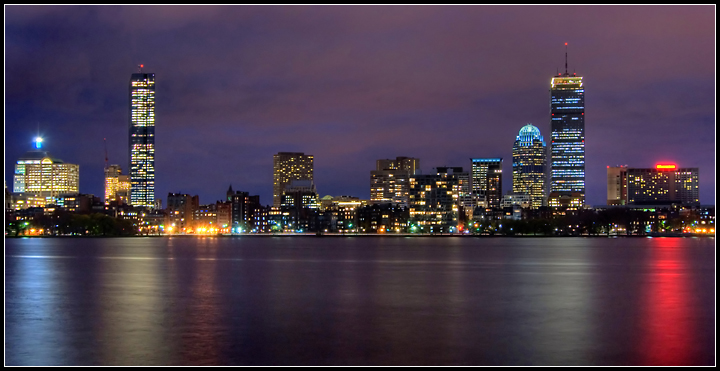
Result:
529,164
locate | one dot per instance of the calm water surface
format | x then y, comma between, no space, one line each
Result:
360,301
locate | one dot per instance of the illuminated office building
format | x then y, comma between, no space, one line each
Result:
142,139
662,185
617,185
529,164
289,166
38,173
389,182
567,122
487,181
117,186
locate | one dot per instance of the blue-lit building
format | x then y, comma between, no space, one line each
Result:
529,164
567,123
142,139
487,181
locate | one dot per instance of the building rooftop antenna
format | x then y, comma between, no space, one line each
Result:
140,67
566,72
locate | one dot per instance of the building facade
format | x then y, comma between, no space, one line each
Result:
289,166
117,185
617,185
487,181
567,124
390,181
663,184
529,165
181,212
434,200
42,176
142,139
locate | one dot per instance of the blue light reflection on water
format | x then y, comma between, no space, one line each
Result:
209,301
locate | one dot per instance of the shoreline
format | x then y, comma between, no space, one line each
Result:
393,235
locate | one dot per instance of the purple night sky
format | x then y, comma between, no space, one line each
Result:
353,84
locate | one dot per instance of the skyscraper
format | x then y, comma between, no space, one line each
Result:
487,181
567,124
288,166
529,163
142,139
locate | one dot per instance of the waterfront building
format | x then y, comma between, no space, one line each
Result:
289,166
41,176
243,211
142,139
389,182
205,219
224,215
664,184
529,164
382,218
487,181
180,212
617,185
567,124
433,199
117,185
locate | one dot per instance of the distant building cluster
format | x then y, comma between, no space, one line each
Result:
547,181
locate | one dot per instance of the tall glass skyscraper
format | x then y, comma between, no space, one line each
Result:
529,163
142,139
567,123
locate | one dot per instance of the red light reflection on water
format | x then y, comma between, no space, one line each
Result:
668,336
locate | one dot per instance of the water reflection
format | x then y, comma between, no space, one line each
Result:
668,304
359,301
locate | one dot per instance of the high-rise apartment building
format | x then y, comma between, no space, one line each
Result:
117,185
567,124
289,166
662,185
142,139
617,185
434,199
180,212
390,181
44,176
529,164
487,181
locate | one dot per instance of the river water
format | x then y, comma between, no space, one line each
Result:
359,301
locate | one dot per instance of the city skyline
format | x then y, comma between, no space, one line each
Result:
240,115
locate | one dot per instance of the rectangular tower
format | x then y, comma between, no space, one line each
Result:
617,185
390,181
142,139
567,124
487,181
288,166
